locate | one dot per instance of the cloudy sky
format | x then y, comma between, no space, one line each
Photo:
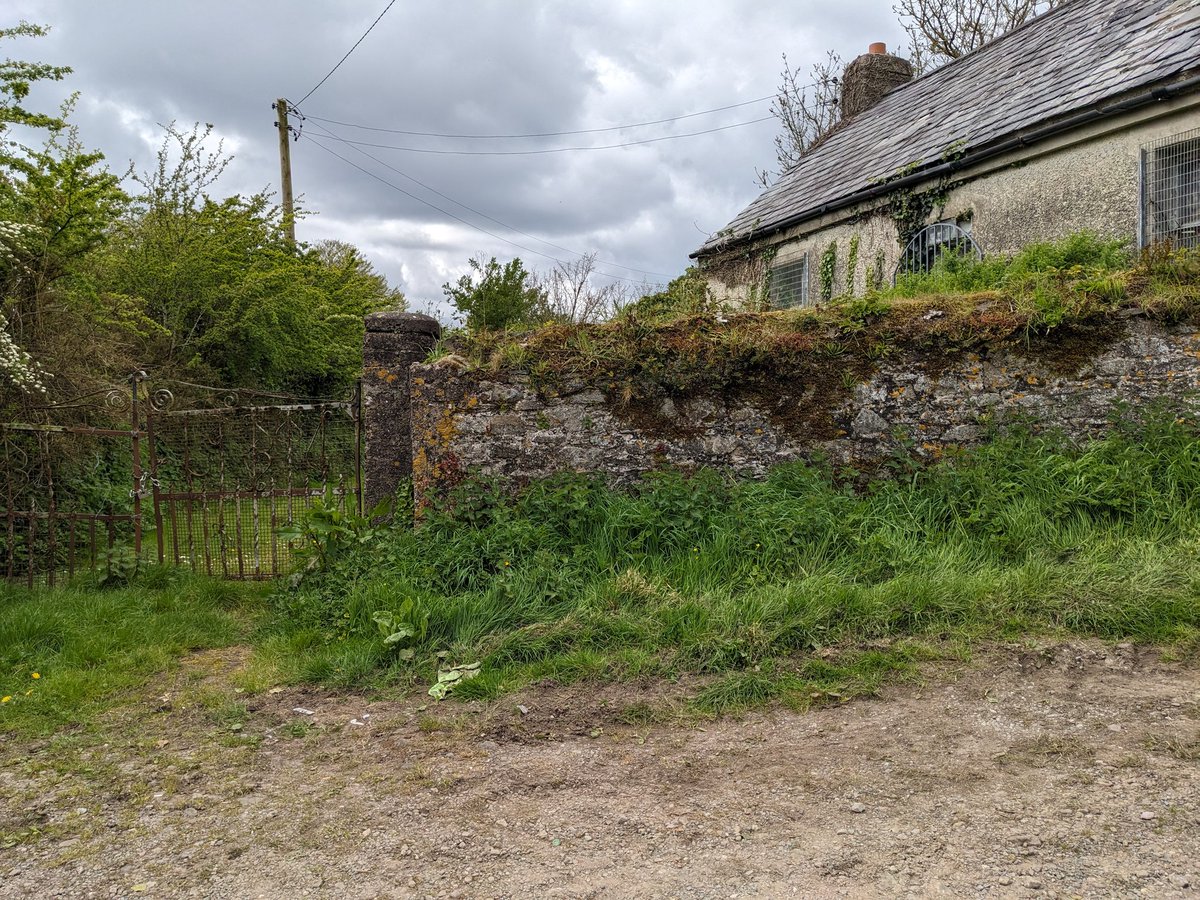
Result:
479,67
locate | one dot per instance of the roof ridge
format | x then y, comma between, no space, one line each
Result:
1028,76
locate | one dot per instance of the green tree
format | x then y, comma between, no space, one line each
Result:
16,78
56,204
685,295
493,297
226,294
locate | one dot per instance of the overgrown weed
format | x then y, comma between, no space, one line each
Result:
680,341
797,588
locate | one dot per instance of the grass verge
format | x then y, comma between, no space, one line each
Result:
68,653
797,589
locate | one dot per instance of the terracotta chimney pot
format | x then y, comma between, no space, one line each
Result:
879,48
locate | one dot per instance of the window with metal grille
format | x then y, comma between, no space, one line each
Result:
931,243
1171,190
789,284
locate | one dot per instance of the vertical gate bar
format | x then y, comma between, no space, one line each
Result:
112,542
221,542
205,533
254,522
92,542
324,458
32,540
71,548
291,504
274,540
156,491
356,422
173,508
255,526
189,504
10,518
174,516
237,530
206,538
51,546
136,448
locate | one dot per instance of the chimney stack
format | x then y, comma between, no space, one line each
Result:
872,77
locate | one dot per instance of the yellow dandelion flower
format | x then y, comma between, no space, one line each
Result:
37,675
5,699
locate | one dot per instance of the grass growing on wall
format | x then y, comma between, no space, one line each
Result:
787,588
645,352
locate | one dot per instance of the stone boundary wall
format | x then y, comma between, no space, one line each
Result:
467,422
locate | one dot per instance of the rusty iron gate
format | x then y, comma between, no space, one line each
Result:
173,472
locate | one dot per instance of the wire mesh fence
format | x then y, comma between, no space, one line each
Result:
197,477
66,502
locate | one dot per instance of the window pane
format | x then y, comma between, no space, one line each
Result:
789,284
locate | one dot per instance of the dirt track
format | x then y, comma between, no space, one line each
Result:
1071,771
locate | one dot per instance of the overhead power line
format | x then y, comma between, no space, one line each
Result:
542,134
351,50
451,215
669,137
480,213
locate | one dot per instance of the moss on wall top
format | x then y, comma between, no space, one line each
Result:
1064,314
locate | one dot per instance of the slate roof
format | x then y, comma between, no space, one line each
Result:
1070,59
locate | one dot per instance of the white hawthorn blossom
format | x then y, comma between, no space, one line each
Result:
21,369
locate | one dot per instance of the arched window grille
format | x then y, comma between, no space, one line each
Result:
932,242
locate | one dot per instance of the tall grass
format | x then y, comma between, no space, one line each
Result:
955,274
88,646
703,575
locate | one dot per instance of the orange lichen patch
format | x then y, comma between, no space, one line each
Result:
381,373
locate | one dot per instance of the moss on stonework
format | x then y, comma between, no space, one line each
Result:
801,365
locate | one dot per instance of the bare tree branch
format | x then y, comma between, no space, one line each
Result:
804,117
942,30
938,31
572,296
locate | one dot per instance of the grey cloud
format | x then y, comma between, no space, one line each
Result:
461,66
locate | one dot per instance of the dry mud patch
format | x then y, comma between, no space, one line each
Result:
1070,770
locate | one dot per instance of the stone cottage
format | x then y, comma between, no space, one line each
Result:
1087,117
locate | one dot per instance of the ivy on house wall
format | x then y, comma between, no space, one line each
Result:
828,271
852,263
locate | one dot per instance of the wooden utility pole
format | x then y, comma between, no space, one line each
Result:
285,168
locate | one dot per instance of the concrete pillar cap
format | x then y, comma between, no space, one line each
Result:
403,322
